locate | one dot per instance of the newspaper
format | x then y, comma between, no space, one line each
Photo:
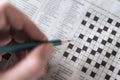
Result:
67,19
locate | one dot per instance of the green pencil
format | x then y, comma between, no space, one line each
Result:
26,46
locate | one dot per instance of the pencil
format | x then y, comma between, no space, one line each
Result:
26,46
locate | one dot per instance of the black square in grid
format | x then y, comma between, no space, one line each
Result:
91,26
93,52
92,74
97,65
114,53
110,20
6,56
84,69
89,40
88,14
113,32
81,36
95,38
99,50
99,30
103,42
74,58
70,46
117,45
111,68
96,18
105,28
89,61
108,55
109,40
103,63
65,54
117,24
107,77
85,48
83,22
78,50
119,72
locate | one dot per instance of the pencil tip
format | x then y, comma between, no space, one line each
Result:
65,41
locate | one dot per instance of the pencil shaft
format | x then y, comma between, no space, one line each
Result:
25,46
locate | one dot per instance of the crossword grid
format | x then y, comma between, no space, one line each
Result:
97,54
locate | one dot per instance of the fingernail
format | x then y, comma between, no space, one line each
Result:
5,41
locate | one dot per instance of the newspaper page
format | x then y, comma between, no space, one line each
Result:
94,28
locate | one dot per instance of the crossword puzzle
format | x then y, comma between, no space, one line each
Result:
95,49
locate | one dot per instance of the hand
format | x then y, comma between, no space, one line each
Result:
16,26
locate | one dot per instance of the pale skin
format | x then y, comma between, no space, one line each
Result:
16,27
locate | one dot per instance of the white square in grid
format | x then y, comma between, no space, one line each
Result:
105,70
86,18
84,58
93,22
117,77
95,58
93,63
91,46
74,48
81,63
116,59
109,50
97,44
107,66
86,54
99,72
91,35
71,63
104,22
92,15
97,55
95,48
89,50
112,57
101,57
106,19
85,38
114,75
103,52
88,66
111,46
114,63
100,21
91,10
98,25
75,65
109,61
101,26
83,42
109,72
95,70
76,54
91,57
118,34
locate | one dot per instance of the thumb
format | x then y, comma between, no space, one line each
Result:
33,66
